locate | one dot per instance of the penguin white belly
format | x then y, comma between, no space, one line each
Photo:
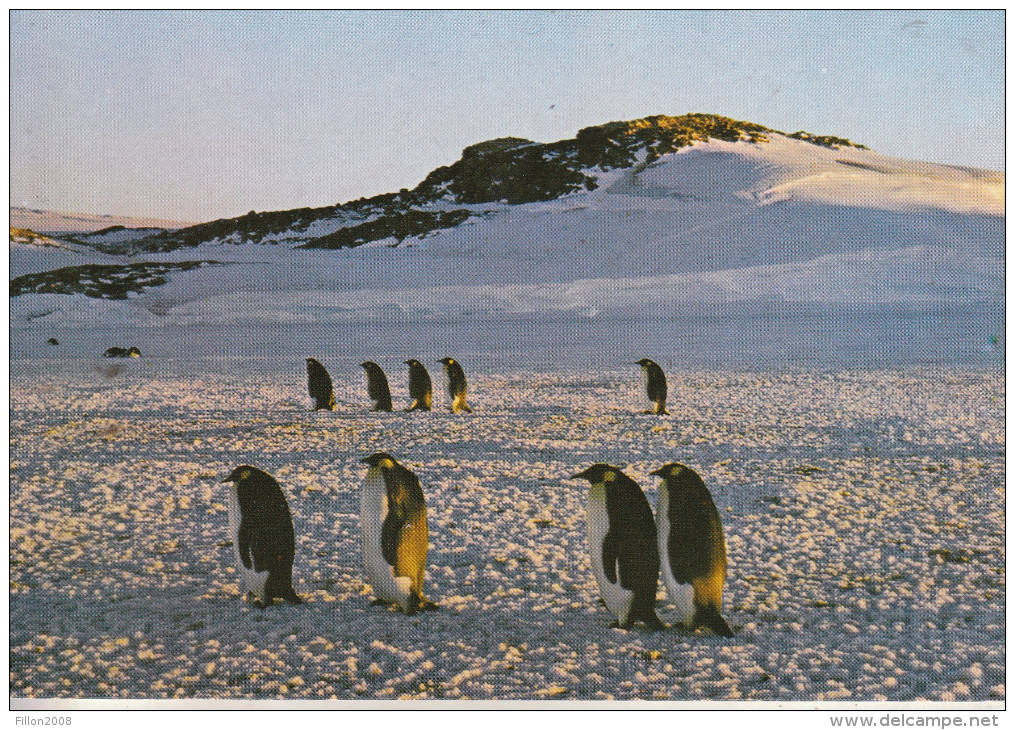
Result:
617,598
373,511
250,579
681,595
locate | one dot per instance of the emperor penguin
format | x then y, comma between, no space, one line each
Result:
377,387
692,548
655,385
261,529
420,387
319,385
394,533
456,385
133,352
622,545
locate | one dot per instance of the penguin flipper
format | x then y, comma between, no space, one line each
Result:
709,617
611,552
390,530
246,545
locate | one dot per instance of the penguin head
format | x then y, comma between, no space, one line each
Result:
447,361
598,473
645,362
239,474
381,459
367,365
412,363
133,352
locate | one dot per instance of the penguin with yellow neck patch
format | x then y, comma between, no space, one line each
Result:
655,386
394,534
456,385
692,548
622,545
261,529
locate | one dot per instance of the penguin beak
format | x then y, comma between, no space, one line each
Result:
227,479
579,475
366,460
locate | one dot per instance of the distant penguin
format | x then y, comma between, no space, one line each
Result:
319,385
622,545
261,528
655,384
692,548
377,387
456,385
394,533
420,387
53,341
120,352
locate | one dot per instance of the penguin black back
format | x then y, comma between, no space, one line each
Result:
403,534
694,543
655,385
628,551
319,385
377,386
265,540
457,386
420,386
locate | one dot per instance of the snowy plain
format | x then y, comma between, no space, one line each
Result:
836,376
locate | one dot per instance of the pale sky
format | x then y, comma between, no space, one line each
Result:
201,115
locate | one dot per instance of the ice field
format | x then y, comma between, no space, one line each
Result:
863,509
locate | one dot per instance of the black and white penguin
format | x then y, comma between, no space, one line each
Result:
319,385
394,533
622,545
377,387
456,385
120,352
655,385
261,528
692,548
420,387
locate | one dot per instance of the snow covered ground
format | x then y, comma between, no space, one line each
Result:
863,511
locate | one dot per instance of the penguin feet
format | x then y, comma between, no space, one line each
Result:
378,602
426,605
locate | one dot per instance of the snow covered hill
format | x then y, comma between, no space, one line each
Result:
647,228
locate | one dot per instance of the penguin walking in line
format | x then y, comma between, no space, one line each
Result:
622,545
456,385
394,533
377,387
261,528
692,548
655,385
420,387
319,385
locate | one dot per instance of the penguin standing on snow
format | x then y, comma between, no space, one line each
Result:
655,385
692,548
456,385
319,385
394,533
420,387
377,387
261,528
622,545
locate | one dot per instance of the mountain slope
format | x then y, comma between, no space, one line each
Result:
667,212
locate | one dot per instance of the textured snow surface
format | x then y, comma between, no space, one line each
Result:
863,513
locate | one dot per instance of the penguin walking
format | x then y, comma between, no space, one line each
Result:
261,528
319,385
456,385
394,533
420,387
377,387
622,545
655,385
692,548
